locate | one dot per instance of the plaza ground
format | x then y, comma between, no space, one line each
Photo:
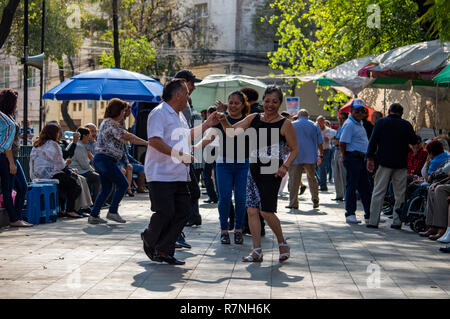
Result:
329,259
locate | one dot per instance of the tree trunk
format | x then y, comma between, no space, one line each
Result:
7,19
65,104
116,34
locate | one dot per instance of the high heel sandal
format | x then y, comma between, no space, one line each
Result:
284,256
250,258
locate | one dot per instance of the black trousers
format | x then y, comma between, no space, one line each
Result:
68,189
194,192
172,206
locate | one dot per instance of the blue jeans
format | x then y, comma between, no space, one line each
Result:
357,179
110,173
10,182
323,169
207,178
231,176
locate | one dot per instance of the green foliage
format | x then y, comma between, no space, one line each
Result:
149,25
438,15
60,39
137,54
317,35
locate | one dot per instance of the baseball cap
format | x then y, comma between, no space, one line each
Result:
187,75
356,103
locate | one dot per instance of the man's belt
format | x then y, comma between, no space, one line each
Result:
356,154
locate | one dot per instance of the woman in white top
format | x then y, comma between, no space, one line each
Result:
47,162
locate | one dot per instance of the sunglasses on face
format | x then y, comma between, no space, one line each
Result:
360,110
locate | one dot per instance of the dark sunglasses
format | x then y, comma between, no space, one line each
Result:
360,110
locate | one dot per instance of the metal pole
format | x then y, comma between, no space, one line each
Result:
41,107
25,73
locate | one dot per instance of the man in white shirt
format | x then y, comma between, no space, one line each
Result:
167,171
326,135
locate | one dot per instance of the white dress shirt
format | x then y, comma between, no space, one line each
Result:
173,129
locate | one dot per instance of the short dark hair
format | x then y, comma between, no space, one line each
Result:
83,132
172,86
418,139
8,101
396,108
252,94
284,113
274,89
435,147
211,109
115,106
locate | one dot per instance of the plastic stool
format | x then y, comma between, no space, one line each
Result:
51,203
42,203
35,204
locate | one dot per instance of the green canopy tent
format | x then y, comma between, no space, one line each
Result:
443,76
218,86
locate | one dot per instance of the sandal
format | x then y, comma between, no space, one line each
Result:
250,258
284,256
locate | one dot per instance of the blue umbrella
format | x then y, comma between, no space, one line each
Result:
106,84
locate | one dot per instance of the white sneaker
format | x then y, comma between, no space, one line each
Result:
446,237
352,219
116,218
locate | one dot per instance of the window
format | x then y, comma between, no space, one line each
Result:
74,107
80,106
102,104
4,76
201,17
89,104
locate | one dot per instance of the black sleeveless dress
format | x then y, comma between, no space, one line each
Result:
265,160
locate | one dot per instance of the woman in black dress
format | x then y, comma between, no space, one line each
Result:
275,136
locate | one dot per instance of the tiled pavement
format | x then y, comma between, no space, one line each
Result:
329,259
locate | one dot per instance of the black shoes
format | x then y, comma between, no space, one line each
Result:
292,207
302,189
181,242
371,226
396,226
225,239
149,251
445,249
339,199
171,260
315,204
238,238
210,201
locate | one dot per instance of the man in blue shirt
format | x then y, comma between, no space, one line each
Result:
353,146
309,139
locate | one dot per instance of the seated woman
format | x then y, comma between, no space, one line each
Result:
46,161
81,162
436,209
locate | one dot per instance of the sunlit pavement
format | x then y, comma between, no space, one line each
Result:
329,259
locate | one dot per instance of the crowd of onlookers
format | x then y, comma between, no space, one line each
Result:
380,161
69,163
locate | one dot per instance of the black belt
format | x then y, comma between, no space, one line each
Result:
356,154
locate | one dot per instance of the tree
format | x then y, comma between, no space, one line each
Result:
9,10
147,25
318,35
57,28
437,19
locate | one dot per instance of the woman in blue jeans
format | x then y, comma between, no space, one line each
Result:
231,168
11,173
108,152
